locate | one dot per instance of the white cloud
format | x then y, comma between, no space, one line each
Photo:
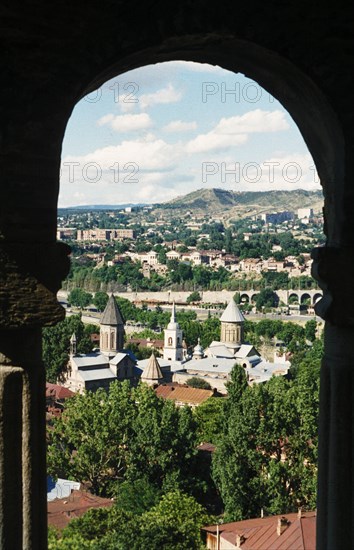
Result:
148,155
285,172
252,122
126,123
197,67
213,142
233,131
106,119
165,95
179,126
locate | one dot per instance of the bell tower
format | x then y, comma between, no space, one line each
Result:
111,329
173,350
232,326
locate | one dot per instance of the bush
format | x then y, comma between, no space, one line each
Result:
199,383
194,297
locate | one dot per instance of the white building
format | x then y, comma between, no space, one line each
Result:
173,346
214,365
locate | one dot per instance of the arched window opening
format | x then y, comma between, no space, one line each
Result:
210,187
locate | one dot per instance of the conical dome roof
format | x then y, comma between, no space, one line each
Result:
198,349
232,314
173,325
152,371
111,314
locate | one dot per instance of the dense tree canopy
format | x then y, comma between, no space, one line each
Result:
267,298
104,438
267,455
78,297
100,300
172,523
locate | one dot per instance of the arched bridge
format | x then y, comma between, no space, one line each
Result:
309,297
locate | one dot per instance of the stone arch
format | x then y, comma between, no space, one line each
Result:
293,298
244,298
33,136
305,296
254,297
316,297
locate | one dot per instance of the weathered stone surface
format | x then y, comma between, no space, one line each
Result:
30,276
333,268
22,441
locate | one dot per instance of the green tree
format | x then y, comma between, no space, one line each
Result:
209,418
174,522
163,449
79,298
100,300
236,386
267,455
194,297
88,442
266,298
104,438
310,330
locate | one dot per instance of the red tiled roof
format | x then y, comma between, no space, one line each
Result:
62,510
144,342
57,392
261,533
184,394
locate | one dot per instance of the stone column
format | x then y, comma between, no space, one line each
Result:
333,268
26,304
22,438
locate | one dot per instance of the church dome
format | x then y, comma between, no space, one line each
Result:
198,350
232,314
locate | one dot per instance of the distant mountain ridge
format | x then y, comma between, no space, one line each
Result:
244,203
225,203
102,206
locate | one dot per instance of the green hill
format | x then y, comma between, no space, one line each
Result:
230,204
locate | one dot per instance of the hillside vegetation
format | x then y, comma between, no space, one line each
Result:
231,204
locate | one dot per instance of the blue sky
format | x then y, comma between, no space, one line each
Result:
164,130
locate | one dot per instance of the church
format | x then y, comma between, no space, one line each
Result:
99,368
215,363
160,370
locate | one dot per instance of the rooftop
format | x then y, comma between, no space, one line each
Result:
184,394
62,510
111,314
152,370
232,314
57,392
286,532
